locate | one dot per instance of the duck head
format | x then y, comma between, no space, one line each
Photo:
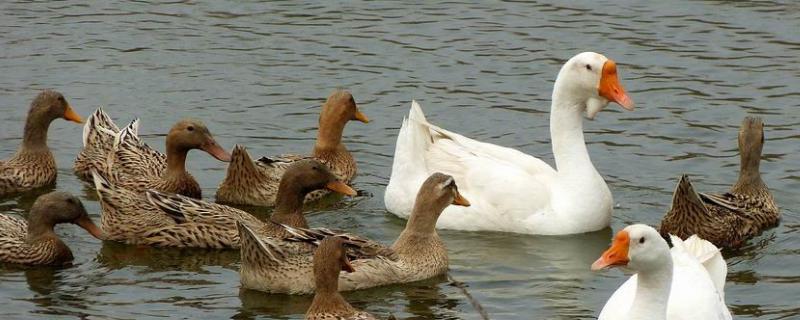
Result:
190,134
308,175
61,207
340,107
590,79
637,247
50,105
751,143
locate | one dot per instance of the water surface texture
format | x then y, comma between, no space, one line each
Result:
257,73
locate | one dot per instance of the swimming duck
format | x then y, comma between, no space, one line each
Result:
330,259
685,282
511,191
138,167
256,183
728,220
417,254
35,242
33,165
171,220
98,142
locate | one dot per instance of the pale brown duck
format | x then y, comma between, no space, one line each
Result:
35,242
33,165
727,220
256,182
330,259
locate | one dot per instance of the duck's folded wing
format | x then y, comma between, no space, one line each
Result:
275,166
725,200
357,247
13,227
183,209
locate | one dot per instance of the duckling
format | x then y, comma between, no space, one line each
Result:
727,220
33,165
256,183
269,264
329,259
35,242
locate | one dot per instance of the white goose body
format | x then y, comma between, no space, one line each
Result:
685,282
509,190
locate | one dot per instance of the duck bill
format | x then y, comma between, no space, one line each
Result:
611,89
615,256
347,267
459,200
71,115
340,187
360,116
87,224
213,148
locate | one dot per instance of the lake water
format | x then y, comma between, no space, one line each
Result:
256,73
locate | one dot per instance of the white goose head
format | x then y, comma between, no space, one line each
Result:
637,247
591,79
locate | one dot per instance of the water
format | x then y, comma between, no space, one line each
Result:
257,73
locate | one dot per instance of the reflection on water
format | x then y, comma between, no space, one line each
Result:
257,73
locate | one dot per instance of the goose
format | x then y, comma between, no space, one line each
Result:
255,183
511,191
330,258
33,165
685,282
728,220
34,242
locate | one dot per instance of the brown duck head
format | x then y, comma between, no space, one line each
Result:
751,143
299,179
59,207
46,107
435,194
336,112
190,134
329,259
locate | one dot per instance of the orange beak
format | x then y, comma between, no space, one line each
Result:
617,255
611,89
340,187
71,115
459,200
86,223
360,116
213,148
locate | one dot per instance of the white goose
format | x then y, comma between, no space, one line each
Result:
509,190
685,282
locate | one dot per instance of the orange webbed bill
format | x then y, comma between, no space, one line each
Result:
616,255
610,87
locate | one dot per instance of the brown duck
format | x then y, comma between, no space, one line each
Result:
273,265
728,220
256,183
169,220
330,259
33,165
35,242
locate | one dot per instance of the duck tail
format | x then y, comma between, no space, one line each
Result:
257,250
685,198
98,124
128,134
241,165
707,254
408,169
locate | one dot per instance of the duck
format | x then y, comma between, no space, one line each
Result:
33,165
729,219
138,167
330,258
683,282
35,242
511,191
255,183
272,265
99,132
162,219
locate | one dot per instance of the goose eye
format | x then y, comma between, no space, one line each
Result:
641,240
589,67
190,128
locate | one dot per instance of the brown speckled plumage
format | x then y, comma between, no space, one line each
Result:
33,165
417,254
98,142
36,243
330,258
256,182
728,220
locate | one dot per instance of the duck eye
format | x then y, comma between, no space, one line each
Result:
641,240
190,128
589,67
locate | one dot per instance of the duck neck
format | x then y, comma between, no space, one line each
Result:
289,205
39,226
652,293
35,135
328,299
329,140
421,228
749,182
176,162
566,133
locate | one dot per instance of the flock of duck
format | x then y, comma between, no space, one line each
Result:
439,179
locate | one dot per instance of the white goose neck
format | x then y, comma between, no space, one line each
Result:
566,133
652,293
